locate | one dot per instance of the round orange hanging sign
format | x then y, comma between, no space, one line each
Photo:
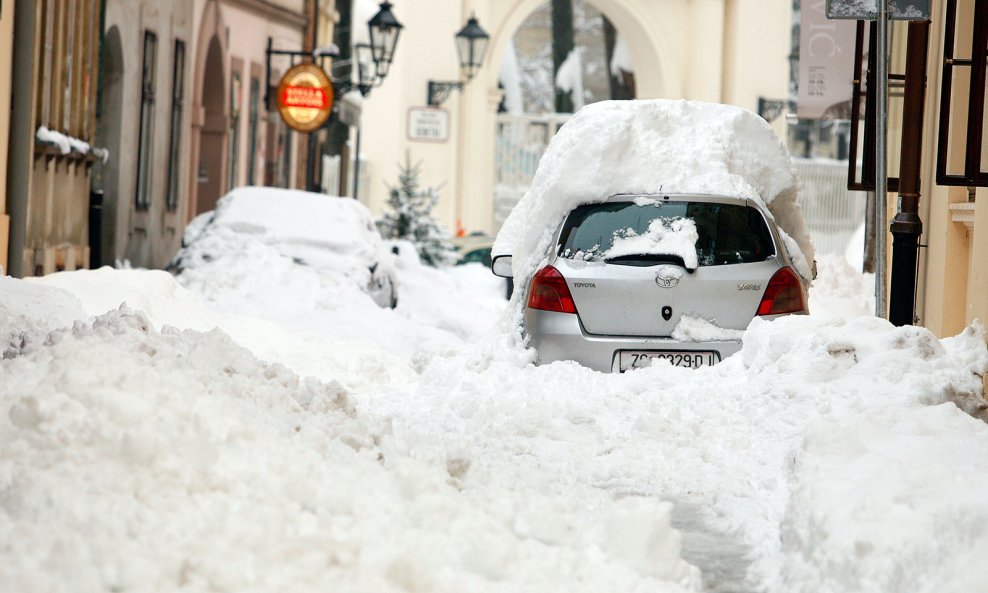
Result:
305,97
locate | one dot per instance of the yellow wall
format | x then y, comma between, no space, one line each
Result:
6,50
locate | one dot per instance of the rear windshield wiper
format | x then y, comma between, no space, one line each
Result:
648,259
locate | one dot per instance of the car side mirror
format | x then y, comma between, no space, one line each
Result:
501,266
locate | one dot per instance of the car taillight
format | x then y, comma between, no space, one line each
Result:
550,293
784,294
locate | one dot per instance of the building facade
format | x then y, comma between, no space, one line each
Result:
695,49
235,139
6,49
51,139
143,122
953,267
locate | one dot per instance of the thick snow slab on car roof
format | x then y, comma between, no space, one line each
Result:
651,147
291,216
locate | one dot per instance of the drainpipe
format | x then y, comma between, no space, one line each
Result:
21,149
907,227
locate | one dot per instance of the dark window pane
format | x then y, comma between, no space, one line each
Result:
728,233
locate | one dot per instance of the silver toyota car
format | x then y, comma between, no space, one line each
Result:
615,309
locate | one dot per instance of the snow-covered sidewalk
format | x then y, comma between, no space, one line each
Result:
831,454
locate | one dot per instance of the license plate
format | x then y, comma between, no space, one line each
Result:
635,359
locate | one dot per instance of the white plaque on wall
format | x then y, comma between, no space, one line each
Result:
427,124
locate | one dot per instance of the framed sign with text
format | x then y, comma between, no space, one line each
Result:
428,124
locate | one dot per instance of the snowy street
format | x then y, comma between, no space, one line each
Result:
493,296
142,450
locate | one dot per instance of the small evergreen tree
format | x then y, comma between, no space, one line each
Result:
411,217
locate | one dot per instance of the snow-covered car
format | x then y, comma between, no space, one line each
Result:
676,277
335,237
655,229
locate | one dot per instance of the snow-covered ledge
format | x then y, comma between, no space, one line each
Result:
67,144
963,212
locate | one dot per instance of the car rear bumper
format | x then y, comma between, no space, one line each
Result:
560,336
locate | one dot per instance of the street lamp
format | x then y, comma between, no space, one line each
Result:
384,30
471,45
366,69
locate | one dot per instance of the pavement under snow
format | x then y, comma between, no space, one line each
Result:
262,425
141,450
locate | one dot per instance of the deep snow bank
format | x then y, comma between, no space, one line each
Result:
752,449
650,147
139,460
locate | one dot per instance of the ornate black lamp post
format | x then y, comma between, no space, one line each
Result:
384,31
471,45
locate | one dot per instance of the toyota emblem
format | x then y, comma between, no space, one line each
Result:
667,280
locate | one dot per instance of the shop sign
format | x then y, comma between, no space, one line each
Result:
305,97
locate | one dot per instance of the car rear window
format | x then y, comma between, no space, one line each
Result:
728,233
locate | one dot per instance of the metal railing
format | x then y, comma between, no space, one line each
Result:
831,211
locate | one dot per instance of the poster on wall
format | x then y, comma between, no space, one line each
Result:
826,64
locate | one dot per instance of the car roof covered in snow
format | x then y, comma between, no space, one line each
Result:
650,147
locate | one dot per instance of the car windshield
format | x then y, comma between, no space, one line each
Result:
726,233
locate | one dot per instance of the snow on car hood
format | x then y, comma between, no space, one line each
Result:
278,230
650,147
313,227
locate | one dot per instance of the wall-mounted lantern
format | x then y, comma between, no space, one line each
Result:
471,45
384,31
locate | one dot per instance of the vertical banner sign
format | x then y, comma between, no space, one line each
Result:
826,62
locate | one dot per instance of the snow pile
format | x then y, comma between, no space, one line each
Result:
153,292
132,459
698,329
313,322
828,455
621,60
651,147
510,79
664,236
569,77
334,237
732,446
839,291
314,229
889,480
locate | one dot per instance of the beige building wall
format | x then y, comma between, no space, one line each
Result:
229,44
66,76
953,269
146,237
691,49
6,51
247,62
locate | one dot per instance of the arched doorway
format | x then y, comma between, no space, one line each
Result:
523,44
107,217
211,168
657,36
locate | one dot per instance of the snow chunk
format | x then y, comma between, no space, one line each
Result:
569,77
698,329
510,79
651,147
675,236
621,60
58,139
